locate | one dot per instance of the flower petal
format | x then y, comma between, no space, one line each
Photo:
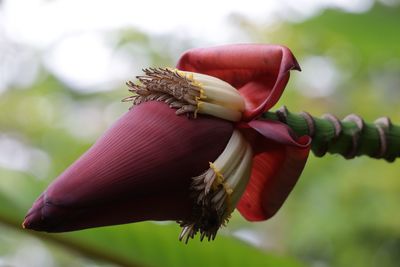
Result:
278,162
259,72
140,169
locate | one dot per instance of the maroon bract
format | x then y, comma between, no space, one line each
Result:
155,164
138,170
259,72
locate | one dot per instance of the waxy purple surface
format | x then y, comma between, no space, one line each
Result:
140,169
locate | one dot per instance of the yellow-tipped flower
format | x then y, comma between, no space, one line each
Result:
189,92
219,188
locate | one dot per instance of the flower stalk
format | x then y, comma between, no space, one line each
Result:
349,137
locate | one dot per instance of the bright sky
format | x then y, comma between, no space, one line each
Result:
69,32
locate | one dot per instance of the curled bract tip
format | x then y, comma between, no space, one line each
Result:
259,72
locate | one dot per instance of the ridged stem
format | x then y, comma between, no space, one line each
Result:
349,137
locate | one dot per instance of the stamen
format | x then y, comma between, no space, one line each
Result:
167,83
217,190
190,92
221,111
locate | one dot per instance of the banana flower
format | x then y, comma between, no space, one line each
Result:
192,148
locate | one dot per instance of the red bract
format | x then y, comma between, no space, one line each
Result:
141,168
260,73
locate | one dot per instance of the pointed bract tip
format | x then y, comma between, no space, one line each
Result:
296,65
34,219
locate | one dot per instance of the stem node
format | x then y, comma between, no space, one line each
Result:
350,137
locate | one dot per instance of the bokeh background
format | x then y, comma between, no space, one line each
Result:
63,65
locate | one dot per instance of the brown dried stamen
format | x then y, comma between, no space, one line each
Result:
188,92
216,191
165,85
210,210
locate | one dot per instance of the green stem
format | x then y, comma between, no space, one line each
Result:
349,137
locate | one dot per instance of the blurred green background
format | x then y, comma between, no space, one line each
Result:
63,65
